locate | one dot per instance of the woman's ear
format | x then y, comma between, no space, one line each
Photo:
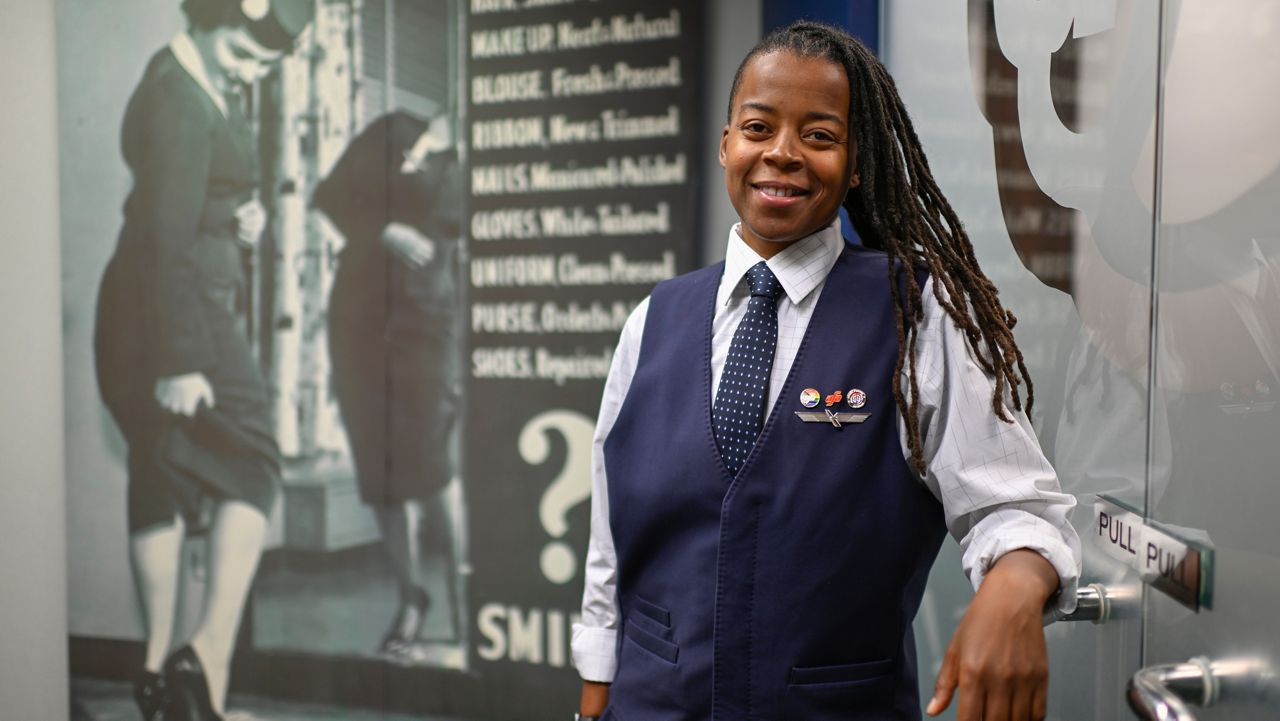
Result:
724,140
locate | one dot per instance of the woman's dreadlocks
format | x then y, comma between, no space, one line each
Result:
899,209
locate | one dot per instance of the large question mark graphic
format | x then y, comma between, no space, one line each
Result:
570,487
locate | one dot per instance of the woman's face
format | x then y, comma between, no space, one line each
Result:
240,58
786,150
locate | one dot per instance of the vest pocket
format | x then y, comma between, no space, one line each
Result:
652,611
661,648
844,675
845,691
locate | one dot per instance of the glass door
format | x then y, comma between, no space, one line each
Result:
1037,118
1217,347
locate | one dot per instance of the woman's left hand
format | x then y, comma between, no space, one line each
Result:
251,220
409,245
997,656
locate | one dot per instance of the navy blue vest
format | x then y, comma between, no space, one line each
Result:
788,591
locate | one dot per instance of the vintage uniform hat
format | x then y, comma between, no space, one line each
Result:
276,24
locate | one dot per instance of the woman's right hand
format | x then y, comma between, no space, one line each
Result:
183,394
251,220
595,697
407,244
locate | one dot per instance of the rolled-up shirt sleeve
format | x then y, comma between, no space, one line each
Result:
594,642
998,491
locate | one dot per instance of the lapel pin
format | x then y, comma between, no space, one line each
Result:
830,417
809,397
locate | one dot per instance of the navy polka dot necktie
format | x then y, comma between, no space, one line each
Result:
738,412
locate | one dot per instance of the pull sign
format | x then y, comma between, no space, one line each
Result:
1165,559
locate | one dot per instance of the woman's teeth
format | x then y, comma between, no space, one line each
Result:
779,192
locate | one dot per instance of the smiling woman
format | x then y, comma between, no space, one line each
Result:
744,572
786,150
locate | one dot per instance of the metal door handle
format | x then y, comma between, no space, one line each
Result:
1093,603
1162,693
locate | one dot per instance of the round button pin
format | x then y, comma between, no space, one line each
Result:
810,397
857,398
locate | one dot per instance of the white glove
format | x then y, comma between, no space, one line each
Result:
183,394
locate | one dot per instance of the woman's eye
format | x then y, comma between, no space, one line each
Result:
822,136
755,127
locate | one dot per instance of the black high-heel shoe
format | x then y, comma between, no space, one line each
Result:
397,637
188,689
151,695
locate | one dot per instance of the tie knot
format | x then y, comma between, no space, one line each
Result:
763,281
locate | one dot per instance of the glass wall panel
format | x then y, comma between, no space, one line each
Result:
1218,332
1038,120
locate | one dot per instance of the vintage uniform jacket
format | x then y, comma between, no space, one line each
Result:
787,592
172,301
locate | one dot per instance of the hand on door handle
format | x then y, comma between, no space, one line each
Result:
1098,604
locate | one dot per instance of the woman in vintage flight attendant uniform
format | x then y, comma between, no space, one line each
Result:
395,194
853,404
174,364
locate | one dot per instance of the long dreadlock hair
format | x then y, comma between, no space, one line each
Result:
899,209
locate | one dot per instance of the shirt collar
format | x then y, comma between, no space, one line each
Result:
800,267
184,49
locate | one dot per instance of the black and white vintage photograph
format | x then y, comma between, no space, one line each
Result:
330,408
264,337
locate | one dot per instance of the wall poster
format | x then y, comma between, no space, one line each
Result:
342,281
582,120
